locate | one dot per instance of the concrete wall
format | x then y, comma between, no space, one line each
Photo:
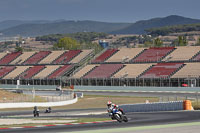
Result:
150,107
31,104
30,87
128,88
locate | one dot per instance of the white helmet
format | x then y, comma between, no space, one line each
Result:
109,103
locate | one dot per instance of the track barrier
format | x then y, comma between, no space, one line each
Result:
158,106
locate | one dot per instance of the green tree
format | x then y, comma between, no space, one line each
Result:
148,44
19,49
182,41
158,42
198,42
67,43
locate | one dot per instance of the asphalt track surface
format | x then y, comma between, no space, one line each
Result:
135,120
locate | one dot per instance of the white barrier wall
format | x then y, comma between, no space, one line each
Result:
150,107
31,104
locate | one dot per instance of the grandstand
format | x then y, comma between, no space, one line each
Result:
190,70
67,56
153,54
104,71
51,57
59,72
23,57
167,66
104,56
124,54
38,56
131,70
162,70
16,72
9,57
184,53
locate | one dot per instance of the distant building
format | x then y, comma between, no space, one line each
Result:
103,43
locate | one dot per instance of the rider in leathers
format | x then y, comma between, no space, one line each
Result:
111,106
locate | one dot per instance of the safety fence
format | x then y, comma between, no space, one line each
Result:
35,97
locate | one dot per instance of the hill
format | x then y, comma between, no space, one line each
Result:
140,26
173,29
12,23
63,27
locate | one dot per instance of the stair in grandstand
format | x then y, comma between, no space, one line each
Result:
132,60
9,58
145,71
98,54
177,70
58,57
87,58
196,57
6,70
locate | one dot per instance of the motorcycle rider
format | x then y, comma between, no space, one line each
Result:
36,111
112,106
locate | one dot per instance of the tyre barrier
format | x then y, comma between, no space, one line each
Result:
158,106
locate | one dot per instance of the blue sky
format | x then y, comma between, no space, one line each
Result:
99,10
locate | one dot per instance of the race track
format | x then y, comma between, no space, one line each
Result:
135,120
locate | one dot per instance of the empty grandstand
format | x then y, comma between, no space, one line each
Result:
104,56
124,54
167,66
153,54
185,53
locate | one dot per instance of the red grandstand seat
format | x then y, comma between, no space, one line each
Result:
104,71
105,55
37,57
161,70
59,72
9,57
67,56
5,70
153,54
31,72
197,58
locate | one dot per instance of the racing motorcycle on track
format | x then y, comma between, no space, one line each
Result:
117,114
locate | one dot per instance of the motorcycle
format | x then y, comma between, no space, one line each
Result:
36,112
48,110
118,114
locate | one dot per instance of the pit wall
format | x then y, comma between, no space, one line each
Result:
158,106
139,89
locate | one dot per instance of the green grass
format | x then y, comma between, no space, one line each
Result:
96,101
